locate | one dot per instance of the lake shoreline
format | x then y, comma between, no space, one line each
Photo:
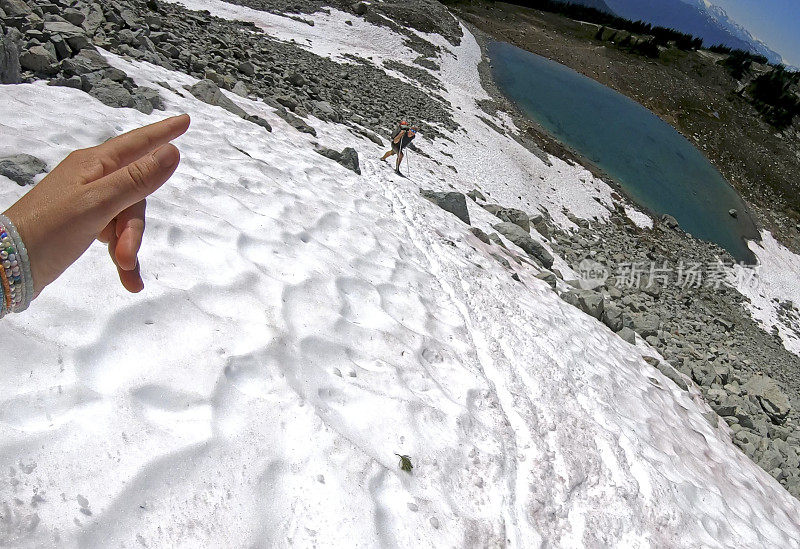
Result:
537,139
687,90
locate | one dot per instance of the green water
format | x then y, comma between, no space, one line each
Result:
655,165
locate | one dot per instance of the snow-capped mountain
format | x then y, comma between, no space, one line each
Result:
698,17
721,17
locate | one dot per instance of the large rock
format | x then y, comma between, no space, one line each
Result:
350,160
492,208
247,68
15,8
671,374
517,217
296,122
548,277
646,324
208,92
9,59
347,158
21,168
773,401
588,301
627,335
74,36
112,94
523,239
39,59
85,62
612,317
453,202
669,221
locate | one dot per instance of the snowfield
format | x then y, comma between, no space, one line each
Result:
302,325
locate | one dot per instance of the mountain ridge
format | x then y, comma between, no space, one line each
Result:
698,17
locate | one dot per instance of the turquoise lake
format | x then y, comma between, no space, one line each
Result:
654,164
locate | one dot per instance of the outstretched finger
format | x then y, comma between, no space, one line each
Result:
129,147
134,182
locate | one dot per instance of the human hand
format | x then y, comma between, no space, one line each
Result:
97,193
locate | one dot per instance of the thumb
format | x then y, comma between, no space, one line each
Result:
134,182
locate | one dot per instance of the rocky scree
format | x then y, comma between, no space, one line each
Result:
53,41
56,41
746,375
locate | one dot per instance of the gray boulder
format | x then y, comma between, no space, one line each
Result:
208,92
15,8
347,158
350,160
591,303
247,68
646,324
74,36
612,317
517,217
670,373
112,94
74,16
255,119
240,89
476,195
523,239
773,401
296,122
288,102
455,203
94,19
39,59
492,208
297,79
9,59
85,62
21,168
482,236
548,277
669,221
627,335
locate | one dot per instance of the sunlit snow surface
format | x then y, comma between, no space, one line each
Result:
300,325
778,277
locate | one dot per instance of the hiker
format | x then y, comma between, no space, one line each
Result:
402,139
95,193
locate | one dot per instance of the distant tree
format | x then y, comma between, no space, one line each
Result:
737,63
599,34
773,97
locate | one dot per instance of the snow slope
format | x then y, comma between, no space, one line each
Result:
300,325
778,273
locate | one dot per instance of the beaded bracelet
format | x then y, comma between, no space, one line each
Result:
23,260
15,270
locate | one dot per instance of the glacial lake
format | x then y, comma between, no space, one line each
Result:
654,164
